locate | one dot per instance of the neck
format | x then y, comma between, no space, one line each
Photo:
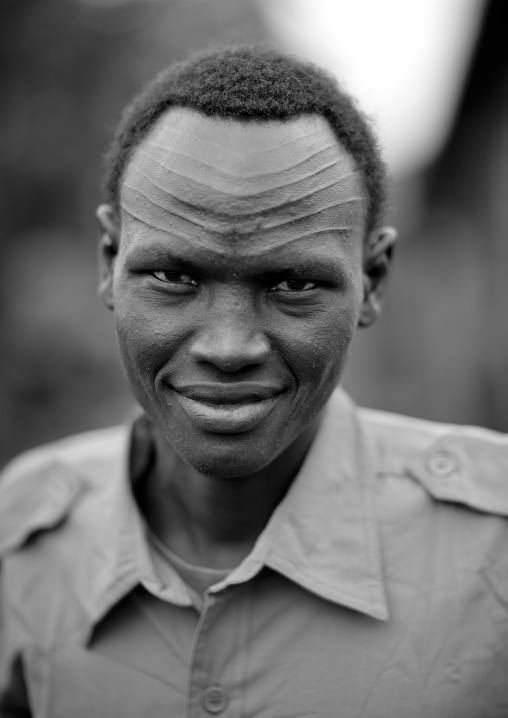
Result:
212,521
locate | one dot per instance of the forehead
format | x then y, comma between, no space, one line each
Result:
242,186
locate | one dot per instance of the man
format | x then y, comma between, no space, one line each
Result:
252,544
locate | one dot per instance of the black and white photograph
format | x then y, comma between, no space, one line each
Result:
254,359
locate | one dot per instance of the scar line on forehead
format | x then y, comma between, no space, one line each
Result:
237,197
180,133
266,247
231,175
253,195
235,232
222,216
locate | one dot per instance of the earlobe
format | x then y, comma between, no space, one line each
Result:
376,264
108,250
371,307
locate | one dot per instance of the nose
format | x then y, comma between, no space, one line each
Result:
230,339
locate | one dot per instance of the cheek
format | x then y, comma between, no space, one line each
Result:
334,327
147,334
317,349
330,343
329,337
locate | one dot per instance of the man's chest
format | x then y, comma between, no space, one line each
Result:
269,649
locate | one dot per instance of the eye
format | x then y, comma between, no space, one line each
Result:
174,278
294,285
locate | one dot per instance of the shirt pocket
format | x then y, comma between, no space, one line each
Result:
70,681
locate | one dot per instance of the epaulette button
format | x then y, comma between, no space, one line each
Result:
442,463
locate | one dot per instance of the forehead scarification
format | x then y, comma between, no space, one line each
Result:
290,250
225,142
232,179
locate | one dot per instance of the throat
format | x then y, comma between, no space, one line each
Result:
208,521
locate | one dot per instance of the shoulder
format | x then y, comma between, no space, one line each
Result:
459,464
41,487
79,451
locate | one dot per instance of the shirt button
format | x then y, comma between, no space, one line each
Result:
214,699
442,463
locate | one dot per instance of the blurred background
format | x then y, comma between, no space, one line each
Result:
432,74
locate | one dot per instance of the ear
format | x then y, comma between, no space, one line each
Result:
108,250
376,263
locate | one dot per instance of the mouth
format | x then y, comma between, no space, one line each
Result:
227,408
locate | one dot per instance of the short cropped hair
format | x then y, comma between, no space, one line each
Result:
250,82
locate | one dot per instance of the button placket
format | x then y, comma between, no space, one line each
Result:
199,669
212,677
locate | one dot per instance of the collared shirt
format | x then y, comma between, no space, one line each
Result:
378,589
198,579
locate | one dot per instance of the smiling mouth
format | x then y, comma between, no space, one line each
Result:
227,408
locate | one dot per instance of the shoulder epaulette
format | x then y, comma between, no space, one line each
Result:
35,499
466,469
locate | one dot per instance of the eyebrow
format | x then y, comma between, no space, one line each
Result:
314,264
154,253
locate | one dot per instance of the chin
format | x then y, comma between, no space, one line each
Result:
227,459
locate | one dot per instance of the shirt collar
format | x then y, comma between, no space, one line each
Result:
323,535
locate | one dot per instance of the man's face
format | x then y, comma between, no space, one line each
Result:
238,282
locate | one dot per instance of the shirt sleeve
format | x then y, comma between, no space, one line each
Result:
14,701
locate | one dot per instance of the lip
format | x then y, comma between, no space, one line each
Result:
222,393
227,408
